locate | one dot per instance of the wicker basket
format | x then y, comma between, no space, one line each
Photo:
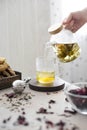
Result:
7,81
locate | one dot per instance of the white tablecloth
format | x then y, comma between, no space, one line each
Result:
28,105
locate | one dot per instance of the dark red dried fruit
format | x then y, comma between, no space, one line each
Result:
49,123
60,123
44,111
23,113
80,91
22,121
10,95
80,102
52,102
70,111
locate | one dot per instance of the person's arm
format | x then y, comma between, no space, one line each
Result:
76,20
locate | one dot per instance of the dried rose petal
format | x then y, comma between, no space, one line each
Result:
80,91
44,111
70,111
10,95
22,121
49,123
79,102
60,123
23,113
52,102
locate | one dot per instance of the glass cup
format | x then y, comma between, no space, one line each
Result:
45,70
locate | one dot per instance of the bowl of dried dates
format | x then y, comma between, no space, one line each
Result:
77,96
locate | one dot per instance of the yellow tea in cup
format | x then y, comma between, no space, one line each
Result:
45,77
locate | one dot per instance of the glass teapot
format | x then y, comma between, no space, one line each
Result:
63,43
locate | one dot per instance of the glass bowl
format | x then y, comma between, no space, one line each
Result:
77,96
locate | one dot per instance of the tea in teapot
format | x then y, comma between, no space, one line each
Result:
63,43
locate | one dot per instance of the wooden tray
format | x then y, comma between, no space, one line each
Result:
7,81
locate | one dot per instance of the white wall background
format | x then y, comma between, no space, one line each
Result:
23,31
72,5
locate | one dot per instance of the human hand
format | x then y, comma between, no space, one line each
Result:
75,20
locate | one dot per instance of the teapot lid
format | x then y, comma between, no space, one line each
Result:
56,28
60,34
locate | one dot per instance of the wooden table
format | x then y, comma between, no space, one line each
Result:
38,111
